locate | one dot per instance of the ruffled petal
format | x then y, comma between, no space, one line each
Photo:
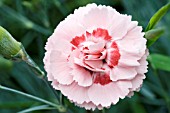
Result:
82,76
60,69
69,28
96,48
46,61
133,42
143,64
127,57
55,84
75,93
103,95
102,13
94,63
113,57
123,73
137,82
119,23
89,106
124,88
62,45
128,62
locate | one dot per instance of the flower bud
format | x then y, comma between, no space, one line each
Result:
9,47
153,35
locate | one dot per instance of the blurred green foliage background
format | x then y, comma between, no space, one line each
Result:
33,21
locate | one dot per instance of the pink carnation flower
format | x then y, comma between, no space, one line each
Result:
96,56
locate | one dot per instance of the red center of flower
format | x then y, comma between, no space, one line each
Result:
102,78
97,53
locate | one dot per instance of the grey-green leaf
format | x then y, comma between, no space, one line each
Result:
36,108
157,17
153,35
159,61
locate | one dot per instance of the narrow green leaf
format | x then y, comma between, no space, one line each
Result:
60,107
153,35
41,107
159,61
157,17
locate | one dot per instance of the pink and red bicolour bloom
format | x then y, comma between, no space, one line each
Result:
96,56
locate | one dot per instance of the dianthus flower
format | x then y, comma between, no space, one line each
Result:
96,56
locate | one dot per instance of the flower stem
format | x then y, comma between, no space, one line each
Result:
61,108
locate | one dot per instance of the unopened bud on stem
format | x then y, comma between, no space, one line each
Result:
11,49
8,45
